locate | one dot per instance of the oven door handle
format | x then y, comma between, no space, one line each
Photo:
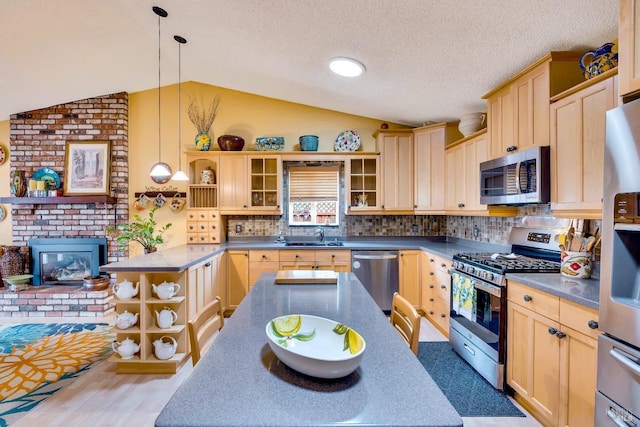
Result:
623,359
493,290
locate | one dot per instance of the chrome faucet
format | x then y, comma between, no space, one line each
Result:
320,232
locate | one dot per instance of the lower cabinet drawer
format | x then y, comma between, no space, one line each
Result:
535,300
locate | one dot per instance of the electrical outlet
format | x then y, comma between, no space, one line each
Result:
414,228
239,228
475,231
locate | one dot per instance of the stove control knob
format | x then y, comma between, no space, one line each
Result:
490,276
471,270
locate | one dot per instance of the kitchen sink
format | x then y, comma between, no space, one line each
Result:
327,243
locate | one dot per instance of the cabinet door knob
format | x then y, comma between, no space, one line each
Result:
443,315
382,206
511,148
552,331
431,273
264,256
246,254
461,205
333,255
527,298
443,265
297,256
208,264
415,206
431,299
443,287
430,286
431,313
592,324
244,206
561,335
431,260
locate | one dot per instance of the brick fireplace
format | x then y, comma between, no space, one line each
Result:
38,139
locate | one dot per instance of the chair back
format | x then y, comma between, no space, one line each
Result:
203,326
406,320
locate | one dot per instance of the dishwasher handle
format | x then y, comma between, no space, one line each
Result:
375,256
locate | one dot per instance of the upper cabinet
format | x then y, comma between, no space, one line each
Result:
429,167
363,184
577,146
628,47
250,184
463,174
396,155
518,109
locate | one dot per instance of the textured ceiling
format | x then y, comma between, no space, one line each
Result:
427,60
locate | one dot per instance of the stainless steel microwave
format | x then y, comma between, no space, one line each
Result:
516,179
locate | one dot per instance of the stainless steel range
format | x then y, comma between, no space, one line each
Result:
477,326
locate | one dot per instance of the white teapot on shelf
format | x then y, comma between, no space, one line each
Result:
125,289
126,349
166,317
125,320
166,290
165,350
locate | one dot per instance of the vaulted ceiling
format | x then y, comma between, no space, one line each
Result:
426,60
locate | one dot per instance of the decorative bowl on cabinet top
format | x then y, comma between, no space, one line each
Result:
315,346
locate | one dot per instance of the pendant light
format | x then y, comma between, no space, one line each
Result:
179,176
160,172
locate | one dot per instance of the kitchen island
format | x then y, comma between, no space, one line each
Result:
240,381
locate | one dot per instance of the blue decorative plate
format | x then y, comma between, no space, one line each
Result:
349,140
49,176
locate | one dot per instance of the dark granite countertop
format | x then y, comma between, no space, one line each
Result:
240,382
585,292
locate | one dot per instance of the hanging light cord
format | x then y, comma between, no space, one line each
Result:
159,82
179,102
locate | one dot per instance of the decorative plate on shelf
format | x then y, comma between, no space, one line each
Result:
49,176
269,143
349,140
3,154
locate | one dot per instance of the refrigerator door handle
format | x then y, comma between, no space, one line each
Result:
623,359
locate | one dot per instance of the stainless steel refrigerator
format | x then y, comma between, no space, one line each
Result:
618,395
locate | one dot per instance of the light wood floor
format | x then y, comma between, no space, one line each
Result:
102,398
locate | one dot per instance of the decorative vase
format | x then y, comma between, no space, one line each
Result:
18,183
11,262
203,141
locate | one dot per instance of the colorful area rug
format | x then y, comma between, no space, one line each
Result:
468,392
38,359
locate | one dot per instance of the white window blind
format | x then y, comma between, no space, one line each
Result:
313,183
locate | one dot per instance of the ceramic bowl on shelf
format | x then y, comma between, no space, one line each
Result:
230,143
269,143
308,143
21,279
315,346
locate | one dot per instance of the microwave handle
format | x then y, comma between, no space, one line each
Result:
518,187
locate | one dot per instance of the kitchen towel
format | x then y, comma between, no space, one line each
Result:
464,296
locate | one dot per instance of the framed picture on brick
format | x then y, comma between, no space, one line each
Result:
87,168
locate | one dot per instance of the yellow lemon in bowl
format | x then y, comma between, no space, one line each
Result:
287,325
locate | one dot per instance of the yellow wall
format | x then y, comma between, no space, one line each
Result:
246,115
5,226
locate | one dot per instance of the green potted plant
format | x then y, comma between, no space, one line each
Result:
142,230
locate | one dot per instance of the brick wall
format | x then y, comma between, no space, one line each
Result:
38,139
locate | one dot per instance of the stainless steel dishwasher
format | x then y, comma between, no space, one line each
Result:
378,272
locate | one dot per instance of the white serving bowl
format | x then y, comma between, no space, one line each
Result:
315,346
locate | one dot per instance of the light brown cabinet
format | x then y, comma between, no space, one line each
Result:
518,109
629,47
577,147
250,184
551,356
436,285
205,226
338,260
463,174
409,276
237,278
396,157
429,182
363,184
262,261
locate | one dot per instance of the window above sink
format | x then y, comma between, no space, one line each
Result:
314,196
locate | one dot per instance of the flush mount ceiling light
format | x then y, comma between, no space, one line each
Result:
346,67
179,176
160,172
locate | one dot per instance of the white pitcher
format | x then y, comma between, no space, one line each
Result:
166,317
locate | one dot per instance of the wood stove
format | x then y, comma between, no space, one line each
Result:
66,261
